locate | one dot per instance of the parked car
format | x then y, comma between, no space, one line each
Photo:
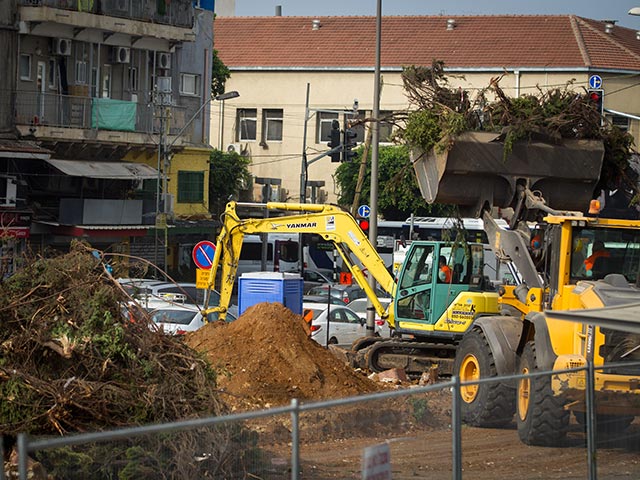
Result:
345,293
146,290
174,317
359,306
321,299
314,278
343,325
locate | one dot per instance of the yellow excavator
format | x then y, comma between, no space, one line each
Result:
561,266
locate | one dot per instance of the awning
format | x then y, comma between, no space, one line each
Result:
624,318
112,170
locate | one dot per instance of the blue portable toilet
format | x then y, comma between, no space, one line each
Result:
259,287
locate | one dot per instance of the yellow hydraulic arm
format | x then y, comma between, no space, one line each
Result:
328,221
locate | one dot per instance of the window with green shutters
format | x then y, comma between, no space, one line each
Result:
190,187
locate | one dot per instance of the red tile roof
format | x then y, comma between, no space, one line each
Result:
536,41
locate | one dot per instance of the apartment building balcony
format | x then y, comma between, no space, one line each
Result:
114,126
88,20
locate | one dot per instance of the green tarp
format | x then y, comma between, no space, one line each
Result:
109,114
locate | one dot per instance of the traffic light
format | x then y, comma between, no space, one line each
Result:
335,140
596,97
348,142
363,223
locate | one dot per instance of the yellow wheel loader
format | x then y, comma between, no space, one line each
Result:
559,268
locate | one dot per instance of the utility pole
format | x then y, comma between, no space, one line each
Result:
161,102
373,225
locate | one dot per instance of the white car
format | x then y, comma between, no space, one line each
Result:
359,306
174,317
335,325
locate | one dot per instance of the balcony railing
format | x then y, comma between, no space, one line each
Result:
177,13
71,111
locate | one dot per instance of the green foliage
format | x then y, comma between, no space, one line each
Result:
398,196
220,73
420,409
228,173
439,113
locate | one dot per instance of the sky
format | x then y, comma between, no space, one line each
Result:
599,10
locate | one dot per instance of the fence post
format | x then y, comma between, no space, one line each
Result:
295,439
22,456
2,457
456,430
590,417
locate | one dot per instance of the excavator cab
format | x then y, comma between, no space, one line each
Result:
433,275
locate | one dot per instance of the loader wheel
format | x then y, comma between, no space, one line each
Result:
486,404
542,419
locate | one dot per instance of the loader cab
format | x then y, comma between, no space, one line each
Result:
426,287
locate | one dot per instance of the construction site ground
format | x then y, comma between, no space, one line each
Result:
265,358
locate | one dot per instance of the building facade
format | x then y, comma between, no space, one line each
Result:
295,75
104,125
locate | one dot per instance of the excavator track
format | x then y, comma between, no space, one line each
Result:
414,357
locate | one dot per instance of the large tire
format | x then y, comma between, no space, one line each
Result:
542,418
489,404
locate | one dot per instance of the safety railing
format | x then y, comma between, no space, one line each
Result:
72,111
409,432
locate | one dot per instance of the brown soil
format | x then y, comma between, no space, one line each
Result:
265,358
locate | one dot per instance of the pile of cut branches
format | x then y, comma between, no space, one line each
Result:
71,361
438,113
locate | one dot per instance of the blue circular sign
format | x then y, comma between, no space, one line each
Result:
595,81
203,254
364,211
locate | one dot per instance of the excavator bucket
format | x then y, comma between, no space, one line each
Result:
474,174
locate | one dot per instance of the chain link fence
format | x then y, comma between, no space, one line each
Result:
405,433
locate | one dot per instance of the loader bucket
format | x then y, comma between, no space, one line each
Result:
473,174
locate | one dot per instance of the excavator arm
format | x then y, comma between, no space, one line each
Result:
328,221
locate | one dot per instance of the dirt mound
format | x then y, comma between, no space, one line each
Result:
266,358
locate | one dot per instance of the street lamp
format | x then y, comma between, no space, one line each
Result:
221,98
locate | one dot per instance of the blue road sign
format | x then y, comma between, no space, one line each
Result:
364,211
203,254
595,81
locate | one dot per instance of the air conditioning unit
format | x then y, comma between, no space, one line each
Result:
62,46
163,60
234,147
121,55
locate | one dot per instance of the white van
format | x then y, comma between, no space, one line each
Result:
282,253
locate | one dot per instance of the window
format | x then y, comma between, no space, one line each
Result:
247,123
106,81
189,84
52,73
133,79
621,122
272,125
323,133
385,131
81,72
25,67
352,122
190,187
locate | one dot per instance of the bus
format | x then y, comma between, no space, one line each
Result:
395,236
282,253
